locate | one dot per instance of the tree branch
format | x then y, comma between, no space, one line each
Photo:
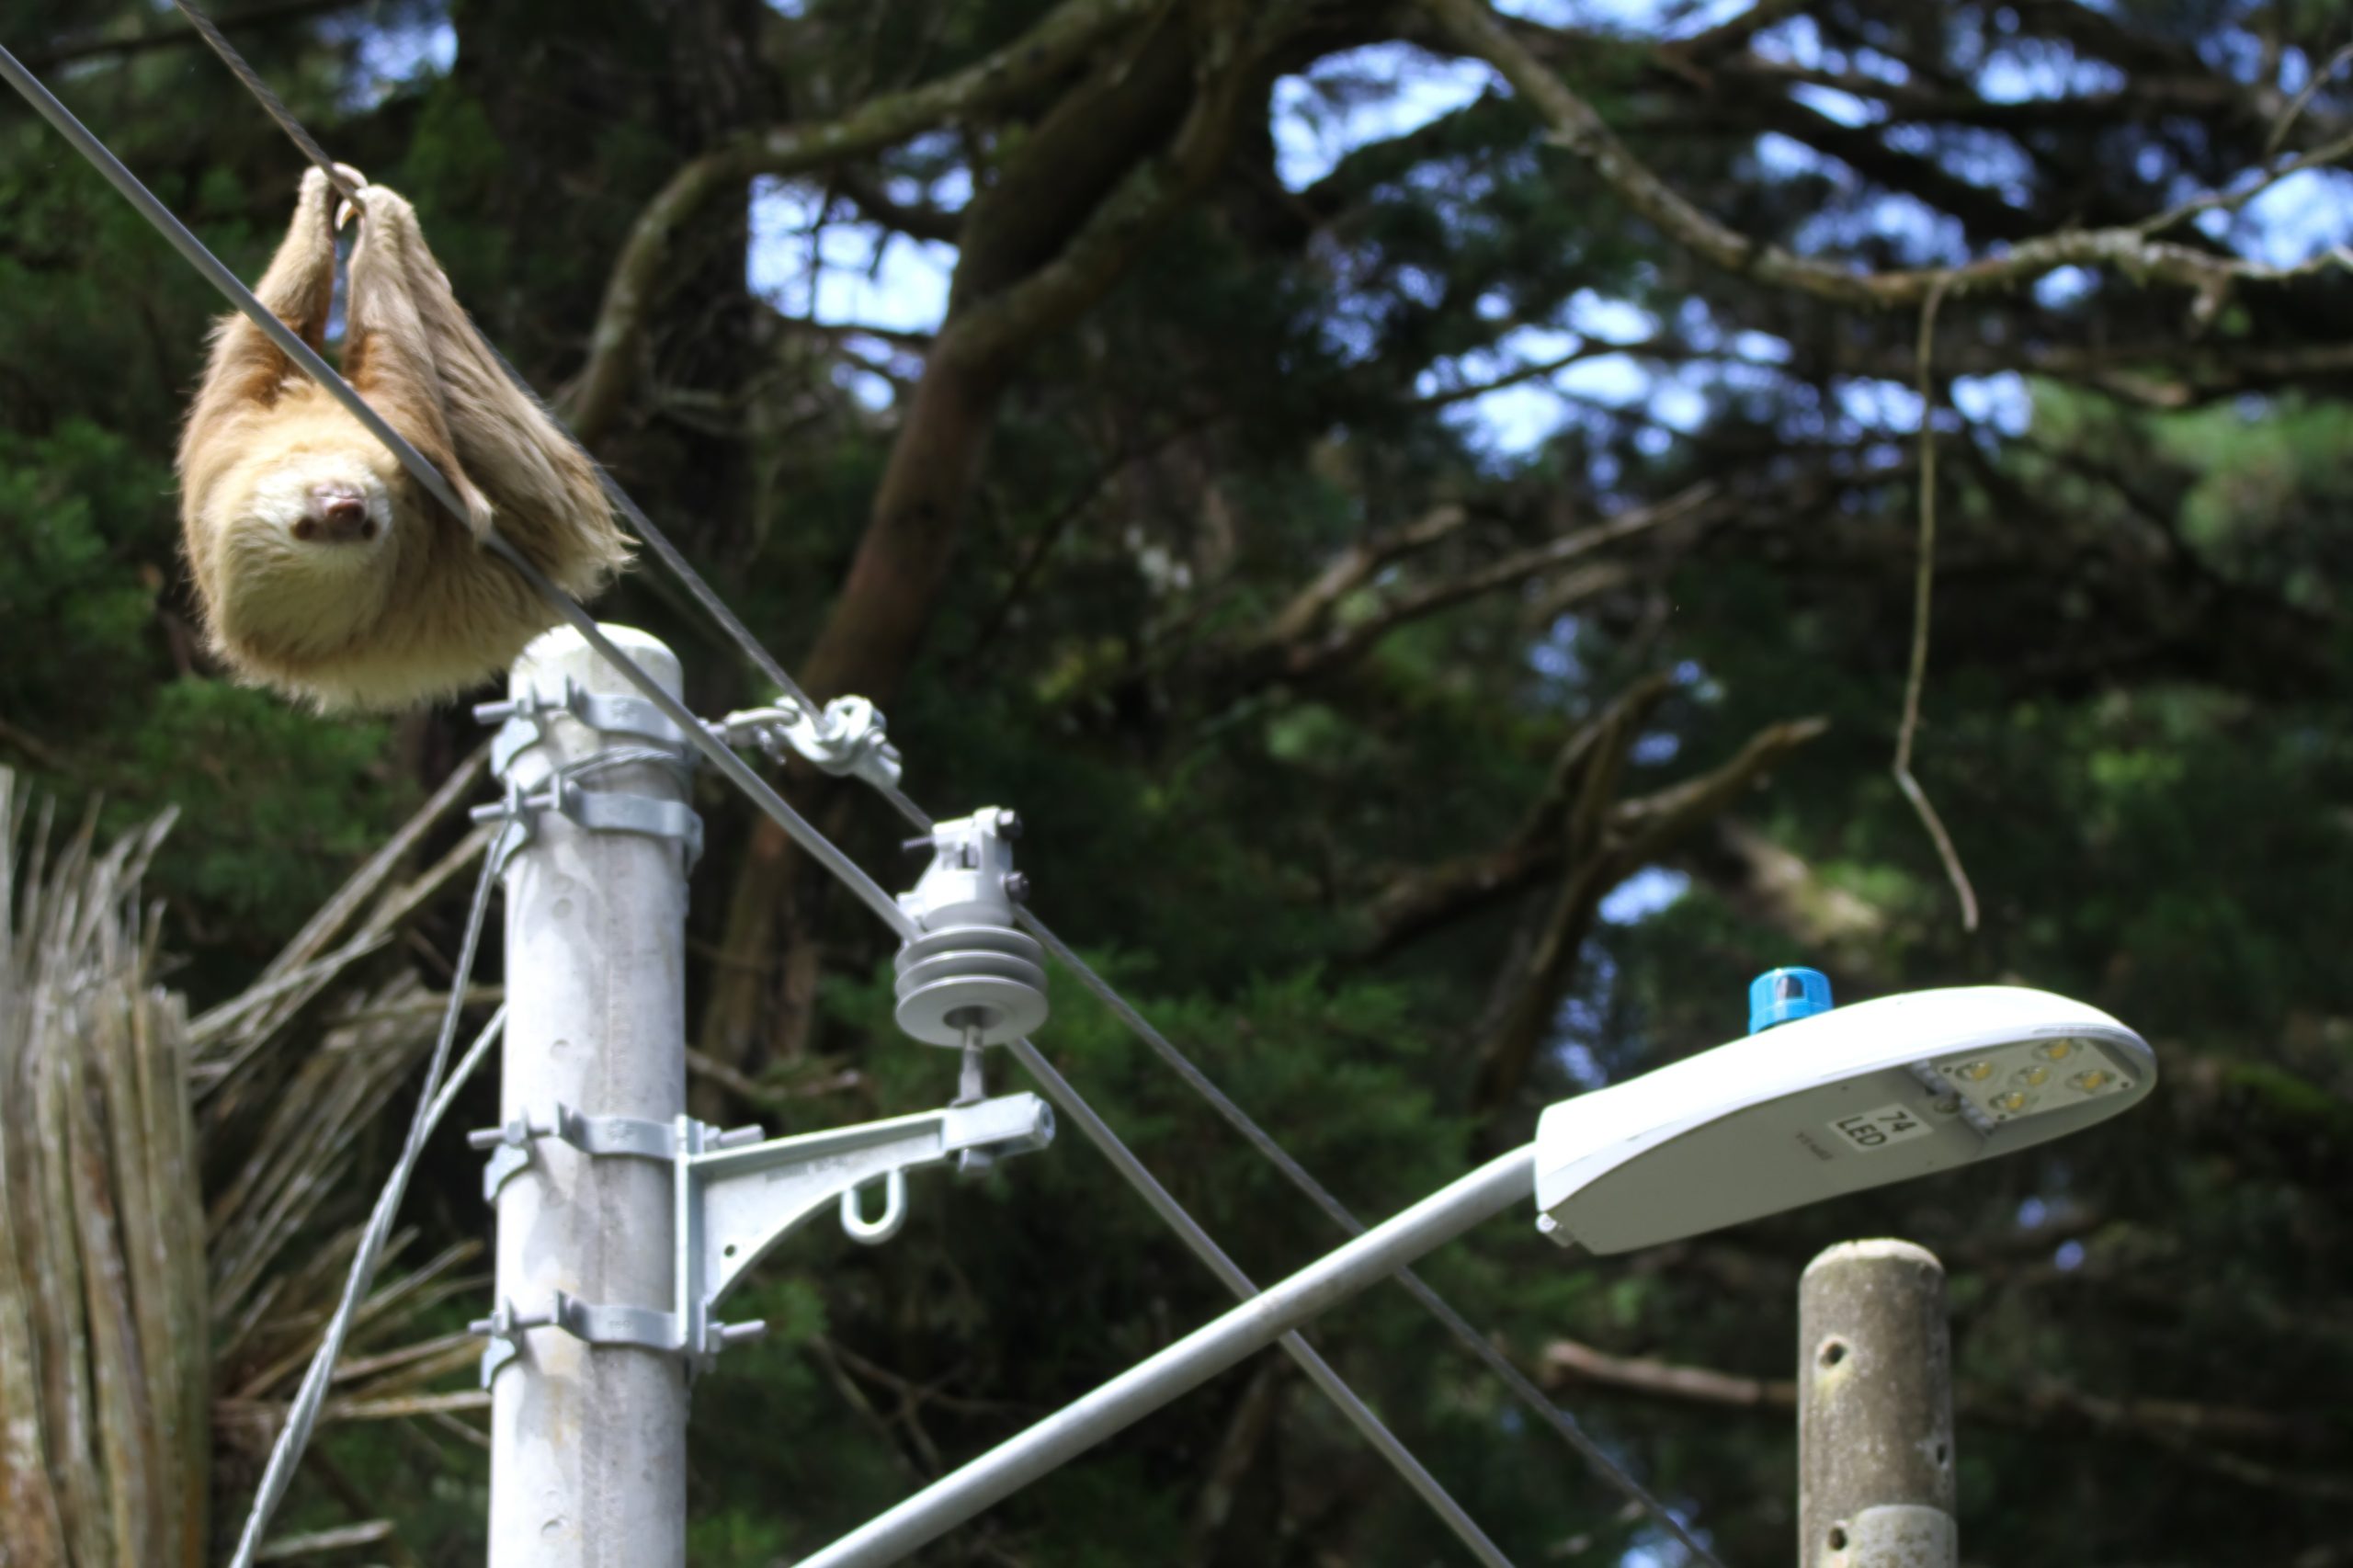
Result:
2179,1426
1068,36
1312,654
1422,901
1064,288
1576,126
1354,566
1237,1460
1549,963
1433,895
1735,32
913,219
90,45
1767,883
1924,584
1075,205
1446,397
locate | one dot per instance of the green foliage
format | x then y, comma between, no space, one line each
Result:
285,803
76,526
2132,726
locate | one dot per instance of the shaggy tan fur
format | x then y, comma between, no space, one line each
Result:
325,570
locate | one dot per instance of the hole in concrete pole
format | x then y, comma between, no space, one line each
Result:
1833,1352
1838,1538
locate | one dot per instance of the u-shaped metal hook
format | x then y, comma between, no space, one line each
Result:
874,1232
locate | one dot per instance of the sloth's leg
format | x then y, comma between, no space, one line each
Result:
244,366
391,355
549,502
545,489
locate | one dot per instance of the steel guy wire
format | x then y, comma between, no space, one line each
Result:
432,1100
281,1472
713,606
192,249
272,105
1319,1372
760,793
1495,1361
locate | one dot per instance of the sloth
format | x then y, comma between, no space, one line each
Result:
325,570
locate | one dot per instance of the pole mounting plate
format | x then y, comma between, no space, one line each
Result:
734,1202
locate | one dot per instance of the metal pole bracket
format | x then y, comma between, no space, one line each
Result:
735,1202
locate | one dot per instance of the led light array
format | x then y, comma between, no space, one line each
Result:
2011,1081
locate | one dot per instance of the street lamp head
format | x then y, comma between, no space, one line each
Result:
1829,1104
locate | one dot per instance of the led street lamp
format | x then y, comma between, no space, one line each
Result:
1829,1104
1824,1104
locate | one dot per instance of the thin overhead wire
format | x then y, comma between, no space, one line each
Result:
272,105
712,605
1258,1137
692,579
803,833
735,770
433,1100
1319,1372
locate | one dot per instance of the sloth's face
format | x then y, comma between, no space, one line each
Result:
310,519
320,501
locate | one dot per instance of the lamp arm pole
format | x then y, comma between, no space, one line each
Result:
1186,1365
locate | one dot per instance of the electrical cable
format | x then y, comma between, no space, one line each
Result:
739,772
433,1100
704,595
272,105
758,790
1319,1372
1495,1361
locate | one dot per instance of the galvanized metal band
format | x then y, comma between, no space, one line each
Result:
611,714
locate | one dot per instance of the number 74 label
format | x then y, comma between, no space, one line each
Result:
1871,1131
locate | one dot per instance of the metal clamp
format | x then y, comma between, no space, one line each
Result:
735,1202
522,720
599,1137
591,1322
849,740
596,810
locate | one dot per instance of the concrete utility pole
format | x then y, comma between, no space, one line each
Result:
1875,1453
588,1442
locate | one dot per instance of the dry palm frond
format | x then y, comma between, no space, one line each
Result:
144,1308
104,1364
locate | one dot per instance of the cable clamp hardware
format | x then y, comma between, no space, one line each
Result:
849,739
591,1322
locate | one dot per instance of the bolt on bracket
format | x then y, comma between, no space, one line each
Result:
734,1201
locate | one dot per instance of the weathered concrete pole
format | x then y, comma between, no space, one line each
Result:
588,1442
1875,1452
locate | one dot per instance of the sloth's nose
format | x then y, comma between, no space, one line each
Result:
336,515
